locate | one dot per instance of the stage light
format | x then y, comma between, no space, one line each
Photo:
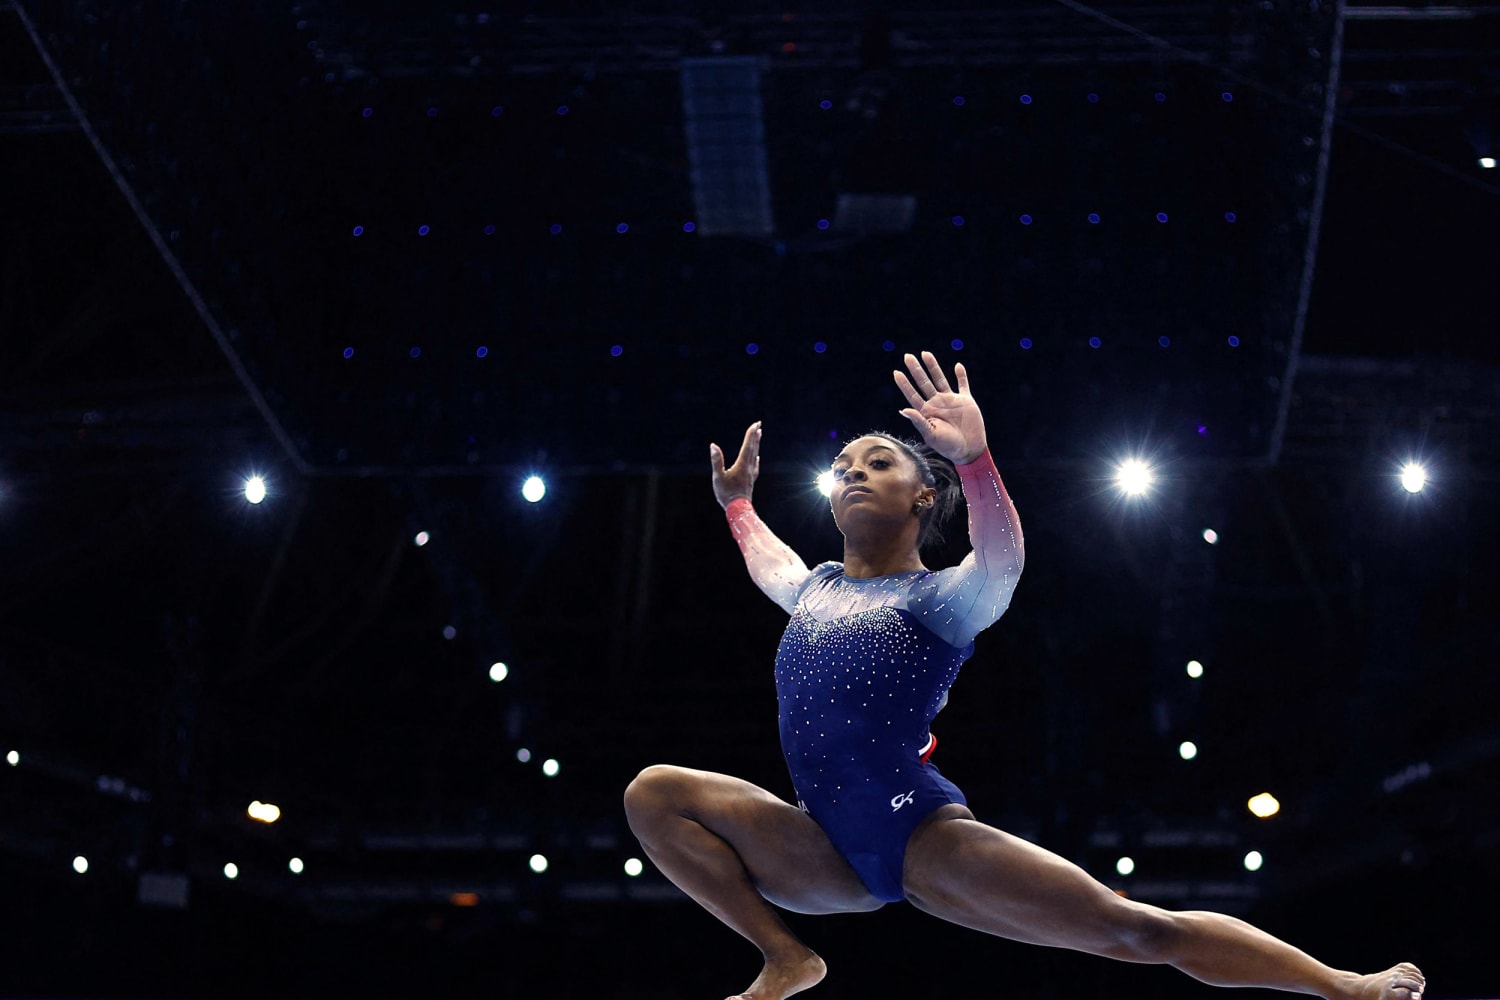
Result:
550,767
422,539
1025,98
1413,477
13,758
295,866
1161,216
523,755
1025,219
1093,218
464,899
80,864
958,220
1210,536
255,489
633,867
263,812
538,863
533,489
1133,476
449,632
1095,343
1125,866
1188,750
752,348
231,871
1253,861
1264,805
822,223
820,347
1194,669
423,230
1487,162
825,482
498,672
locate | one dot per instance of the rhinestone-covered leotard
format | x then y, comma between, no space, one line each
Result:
863,667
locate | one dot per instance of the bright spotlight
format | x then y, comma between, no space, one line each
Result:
1188,750
1194,669
231,871
633,867
1413,477
255,489
263,812
1253,861
295,866
80,864
1487,162
538,863
422,539
1264,805
1134,477
13,758
498,672
523,755
533,489
550,767
825,482
1125,866
1210,536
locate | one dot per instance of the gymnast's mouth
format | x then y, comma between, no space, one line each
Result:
855,489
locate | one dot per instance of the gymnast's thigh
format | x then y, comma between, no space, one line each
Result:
788,856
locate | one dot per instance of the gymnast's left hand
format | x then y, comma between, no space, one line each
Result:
949,421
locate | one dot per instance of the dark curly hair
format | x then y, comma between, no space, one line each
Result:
936,471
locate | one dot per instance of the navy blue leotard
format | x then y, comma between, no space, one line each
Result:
865,664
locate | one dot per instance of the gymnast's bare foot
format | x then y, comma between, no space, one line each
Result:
781,978
1400,982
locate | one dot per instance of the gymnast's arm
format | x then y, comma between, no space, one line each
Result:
778,571
973,595
961,602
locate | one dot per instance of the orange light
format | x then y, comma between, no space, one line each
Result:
465,899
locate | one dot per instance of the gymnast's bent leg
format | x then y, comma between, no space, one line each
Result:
736,849
980,877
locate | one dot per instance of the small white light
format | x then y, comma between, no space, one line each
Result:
80,864
422,539
13,758
550,767
1133,476
1264,805
1188,750
295,866
498,672
1194,669
533,489
263,812
1487,162
538,863
1253,861
1413,477
1210,536
1125,866
523,755
633,867
255,489
231,871
825,482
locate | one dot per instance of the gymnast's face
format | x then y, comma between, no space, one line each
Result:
875,481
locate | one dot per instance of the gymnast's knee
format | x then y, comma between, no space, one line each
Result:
1142,933
657,789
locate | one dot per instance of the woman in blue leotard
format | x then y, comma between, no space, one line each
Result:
871,648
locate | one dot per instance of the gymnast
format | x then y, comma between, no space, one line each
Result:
865,663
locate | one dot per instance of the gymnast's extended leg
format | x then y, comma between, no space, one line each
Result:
980,877
736,848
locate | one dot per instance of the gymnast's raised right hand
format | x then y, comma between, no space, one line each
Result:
739,479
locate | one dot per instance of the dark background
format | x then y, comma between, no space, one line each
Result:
182,282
